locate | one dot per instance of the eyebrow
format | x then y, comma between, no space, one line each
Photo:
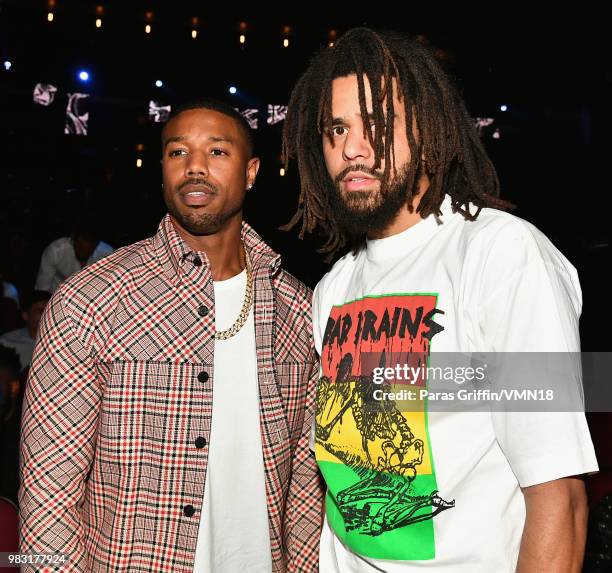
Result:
342,120
212,138
221,139
173,139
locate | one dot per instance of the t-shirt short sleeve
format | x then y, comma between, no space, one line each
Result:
529,301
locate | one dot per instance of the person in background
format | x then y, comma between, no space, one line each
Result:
68,255
23,339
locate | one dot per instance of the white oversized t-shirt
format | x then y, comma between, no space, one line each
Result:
234,533
431,490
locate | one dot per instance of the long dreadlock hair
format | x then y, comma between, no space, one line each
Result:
454,157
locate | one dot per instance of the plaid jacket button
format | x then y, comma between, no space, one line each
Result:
203,377
197,262
189,510
200,442
203,310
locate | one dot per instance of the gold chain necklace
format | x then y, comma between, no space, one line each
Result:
246,305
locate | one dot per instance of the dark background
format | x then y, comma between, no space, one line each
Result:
550,63
552,69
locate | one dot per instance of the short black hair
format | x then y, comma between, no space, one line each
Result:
85,224
32,297
221,107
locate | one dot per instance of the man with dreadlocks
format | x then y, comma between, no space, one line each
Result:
391,165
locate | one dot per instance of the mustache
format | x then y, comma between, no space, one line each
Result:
195,181
357,167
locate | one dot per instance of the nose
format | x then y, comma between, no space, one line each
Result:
356,146
196,165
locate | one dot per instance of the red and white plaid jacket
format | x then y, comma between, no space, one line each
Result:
120,388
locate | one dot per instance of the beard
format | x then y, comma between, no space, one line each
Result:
200,224
360,212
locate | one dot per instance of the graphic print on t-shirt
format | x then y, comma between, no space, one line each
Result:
376,459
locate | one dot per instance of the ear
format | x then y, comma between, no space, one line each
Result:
251,171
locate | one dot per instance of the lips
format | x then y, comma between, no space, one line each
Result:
357,180
196,195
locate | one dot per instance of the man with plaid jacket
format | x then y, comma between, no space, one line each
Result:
128,463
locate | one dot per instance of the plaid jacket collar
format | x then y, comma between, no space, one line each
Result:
173,252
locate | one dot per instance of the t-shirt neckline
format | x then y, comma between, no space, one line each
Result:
406,241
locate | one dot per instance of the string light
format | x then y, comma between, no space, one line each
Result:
99,14
195,23
286,33
282,171
139,148
50,7
148,20
331,36
243,26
